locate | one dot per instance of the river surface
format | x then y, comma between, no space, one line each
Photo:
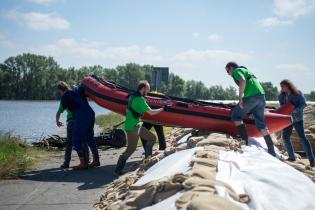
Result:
32,120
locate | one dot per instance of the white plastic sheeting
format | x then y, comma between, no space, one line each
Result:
168,166
270,183
260,143
184,139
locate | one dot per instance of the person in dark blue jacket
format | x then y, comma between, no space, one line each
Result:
290,94
83,125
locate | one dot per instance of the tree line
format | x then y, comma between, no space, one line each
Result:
34,77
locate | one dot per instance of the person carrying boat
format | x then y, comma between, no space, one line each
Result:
62,88
290,94
137,106
83,126
251,100
159,132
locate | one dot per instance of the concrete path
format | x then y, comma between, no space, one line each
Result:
49,187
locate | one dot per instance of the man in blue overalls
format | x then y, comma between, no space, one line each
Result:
83,125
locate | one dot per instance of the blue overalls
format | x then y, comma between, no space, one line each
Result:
83,125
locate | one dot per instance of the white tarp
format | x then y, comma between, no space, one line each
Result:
184,139
260,143
168,166
270,183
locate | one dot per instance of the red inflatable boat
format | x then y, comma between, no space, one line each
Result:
182,112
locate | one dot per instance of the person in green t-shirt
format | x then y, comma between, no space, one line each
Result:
137,106
62,88
251,100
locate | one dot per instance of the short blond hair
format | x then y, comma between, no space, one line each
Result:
142,84
63,86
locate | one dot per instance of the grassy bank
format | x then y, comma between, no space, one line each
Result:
16,156
109,120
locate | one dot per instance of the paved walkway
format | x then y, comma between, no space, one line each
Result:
49,187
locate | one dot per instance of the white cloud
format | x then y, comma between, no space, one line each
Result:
189,64
5,42
288,9
296,67
42,2
87,52
273,22
196,35
206,65
214,37
38,21
193,55
293,8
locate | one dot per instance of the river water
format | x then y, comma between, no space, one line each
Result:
32,120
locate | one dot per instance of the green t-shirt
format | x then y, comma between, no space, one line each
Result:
253,86
139,105
70,115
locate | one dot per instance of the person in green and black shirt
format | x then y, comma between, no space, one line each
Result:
62,88
137,106
251,100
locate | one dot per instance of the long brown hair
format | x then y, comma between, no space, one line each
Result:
290,86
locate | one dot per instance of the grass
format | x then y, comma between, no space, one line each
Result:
107,121
16,156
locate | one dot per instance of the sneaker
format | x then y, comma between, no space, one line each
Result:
64,165
312,163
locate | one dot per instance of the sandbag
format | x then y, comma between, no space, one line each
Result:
214,202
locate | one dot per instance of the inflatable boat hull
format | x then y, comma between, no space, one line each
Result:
183,112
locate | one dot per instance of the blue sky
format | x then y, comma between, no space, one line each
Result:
273,38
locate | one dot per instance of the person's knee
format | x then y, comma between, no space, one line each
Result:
126,154
152,139
236,114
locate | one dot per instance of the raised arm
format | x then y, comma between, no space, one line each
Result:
155,111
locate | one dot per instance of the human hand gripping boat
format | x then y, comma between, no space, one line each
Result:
182,112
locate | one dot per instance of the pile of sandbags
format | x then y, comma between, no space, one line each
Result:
193,189
197,186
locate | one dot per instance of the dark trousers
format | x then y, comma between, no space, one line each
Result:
83,133
160,133
299,128
69,144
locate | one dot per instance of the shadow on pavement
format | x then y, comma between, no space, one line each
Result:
90,178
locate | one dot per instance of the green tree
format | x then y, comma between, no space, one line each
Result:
271,92
175,86
29,76
311,96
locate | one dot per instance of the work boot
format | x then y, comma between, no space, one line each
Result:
312,163
243,133
269,142
95,163
64,165
148,151
82,165
120,166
